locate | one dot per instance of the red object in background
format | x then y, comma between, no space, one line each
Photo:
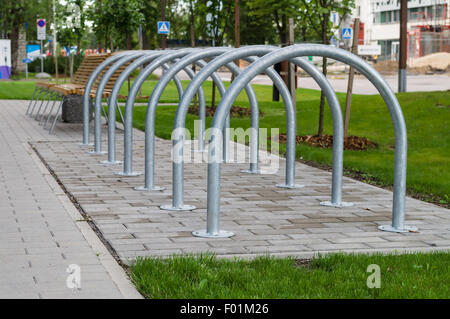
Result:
361,33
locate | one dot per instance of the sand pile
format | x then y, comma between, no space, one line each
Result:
435,61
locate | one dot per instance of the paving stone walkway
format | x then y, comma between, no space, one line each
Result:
39,235
265,219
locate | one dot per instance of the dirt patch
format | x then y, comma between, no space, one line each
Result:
428,64
303,263
236,111
353,143
437,61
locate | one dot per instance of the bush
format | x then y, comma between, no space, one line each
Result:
49,65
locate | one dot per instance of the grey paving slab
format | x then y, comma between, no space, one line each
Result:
38,238
265,219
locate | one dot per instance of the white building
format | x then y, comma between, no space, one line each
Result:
428,25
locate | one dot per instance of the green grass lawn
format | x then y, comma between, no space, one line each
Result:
426,113
23,90
331,276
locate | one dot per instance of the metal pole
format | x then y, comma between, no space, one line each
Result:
50,113
351,75
42,59
32,99
54,41
41,121
403,45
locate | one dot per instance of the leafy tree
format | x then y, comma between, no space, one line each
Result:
117,19
317,13
152,14
276,13
254,28
73,29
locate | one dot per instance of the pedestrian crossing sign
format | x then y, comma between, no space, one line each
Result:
346,33
163,27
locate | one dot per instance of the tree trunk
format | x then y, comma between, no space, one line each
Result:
213,99
275,92
14,48
322,100
129,44
192,29
324,71
282,66
145,40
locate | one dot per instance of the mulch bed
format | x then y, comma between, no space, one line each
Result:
353,143
124,97
236,111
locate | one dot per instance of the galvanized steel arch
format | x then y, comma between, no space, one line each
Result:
242,53
88,87
146,58
99,97
128,125
213,205
159,88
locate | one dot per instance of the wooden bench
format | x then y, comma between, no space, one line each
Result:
78,84
89,64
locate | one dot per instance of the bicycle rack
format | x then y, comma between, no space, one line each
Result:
147,57
87,92
288,53
236,54
128,125
162,83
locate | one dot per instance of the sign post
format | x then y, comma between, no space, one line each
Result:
41,35
26,61
163,29
348,100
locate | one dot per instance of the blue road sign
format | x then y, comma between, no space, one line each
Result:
26,60
346,33
163,27
41,23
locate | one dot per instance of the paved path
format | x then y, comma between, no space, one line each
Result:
41,232
415,83
265,219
